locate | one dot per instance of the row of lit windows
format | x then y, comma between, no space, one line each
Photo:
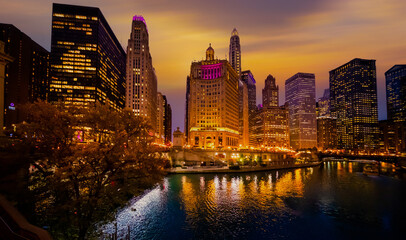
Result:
74,16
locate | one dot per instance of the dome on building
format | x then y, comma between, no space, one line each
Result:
234,32
210,53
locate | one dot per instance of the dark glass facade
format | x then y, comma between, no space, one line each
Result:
396,93
27,76
353,100
249,80
87,62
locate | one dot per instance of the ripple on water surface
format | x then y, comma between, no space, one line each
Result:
334,201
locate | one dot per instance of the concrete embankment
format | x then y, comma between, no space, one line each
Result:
242,170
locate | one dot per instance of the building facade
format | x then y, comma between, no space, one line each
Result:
4,60
160,128
326,124
235,51
353,99
26,77
396,93
141,79
167,122
87,61
272,128
248,78
300,94
213,104
243,115
392,137
270,93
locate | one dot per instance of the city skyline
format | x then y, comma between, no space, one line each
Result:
277,39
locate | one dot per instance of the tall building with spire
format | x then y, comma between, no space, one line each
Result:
141,93
235,51
270,95
212,104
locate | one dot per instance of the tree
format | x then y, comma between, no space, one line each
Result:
88,162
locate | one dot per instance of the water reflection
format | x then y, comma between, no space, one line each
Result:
314,202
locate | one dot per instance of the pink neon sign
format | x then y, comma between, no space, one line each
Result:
211,71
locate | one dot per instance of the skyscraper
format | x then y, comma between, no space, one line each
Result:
274,129
213,104
167,122
249,80
141,79
4,60
300,94
354,103
326,124
396,93
87,61
160,129
243,114
27,76
235,51
270,93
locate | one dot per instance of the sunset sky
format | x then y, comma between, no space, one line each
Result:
278,37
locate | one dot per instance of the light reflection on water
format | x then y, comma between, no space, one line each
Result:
333,201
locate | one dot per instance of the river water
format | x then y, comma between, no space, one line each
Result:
333,201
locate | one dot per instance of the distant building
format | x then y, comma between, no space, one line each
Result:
396,93
4,60
270,93
272,129
353,99
160,129
87,60
141,79
392,137
178,139
272,121
324,104
249,80
168,122
26,78
243,115
300,96
213,104
326,124
235,51
186,130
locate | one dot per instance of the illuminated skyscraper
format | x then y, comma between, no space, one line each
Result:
249,80
26,77
272,128
270,93
354,103
300,96
396,93
213,104
141,79
160,129
87,61
235,51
